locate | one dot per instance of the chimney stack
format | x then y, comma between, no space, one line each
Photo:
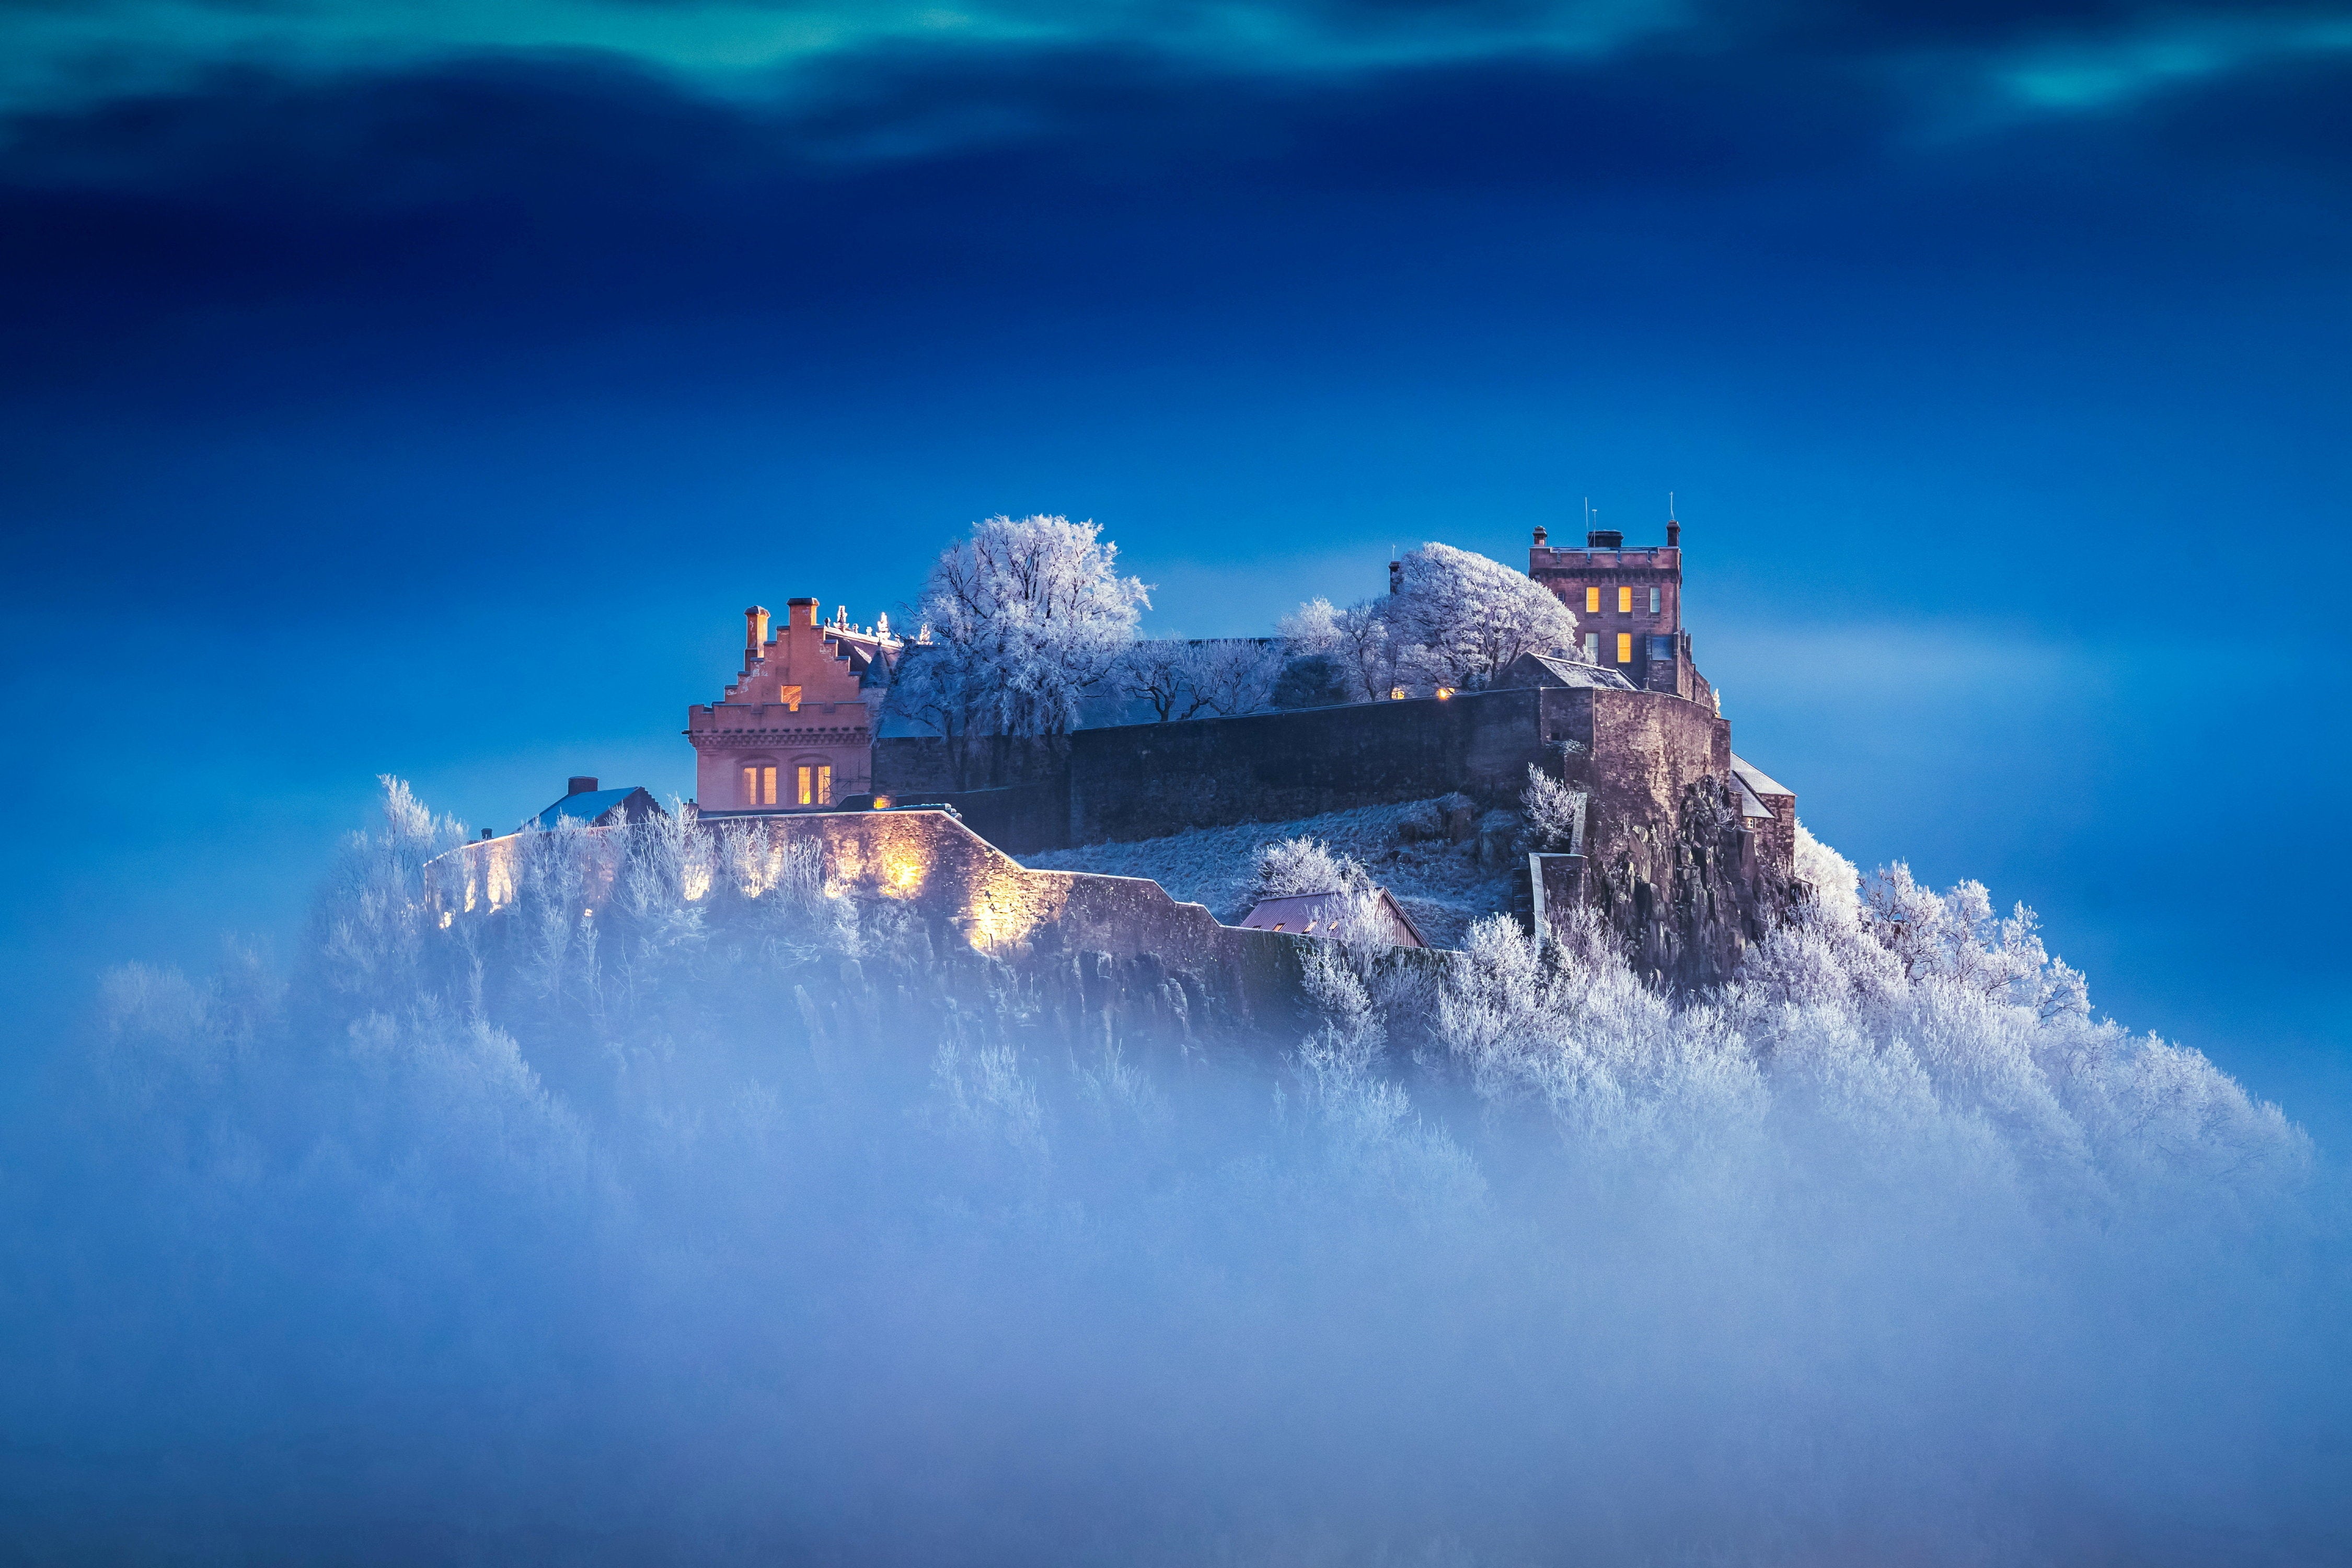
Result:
1541,535
1396,576
755,629
800,611
579,785
1673,534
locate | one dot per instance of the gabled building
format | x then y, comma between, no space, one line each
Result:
590,806
1319,914
794,731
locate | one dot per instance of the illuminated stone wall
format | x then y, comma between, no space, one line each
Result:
1117,949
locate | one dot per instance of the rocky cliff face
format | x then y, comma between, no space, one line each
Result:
1687,899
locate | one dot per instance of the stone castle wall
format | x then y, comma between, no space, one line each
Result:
1666,858
1140,781
1115,956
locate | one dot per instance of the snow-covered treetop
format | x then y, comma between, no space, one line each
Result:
1027,616
1456,619
1472,616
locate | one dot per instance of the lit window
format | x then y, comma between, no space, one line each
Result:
751,787
1625,600
824,784
1396,693
1624,647
1654,601
790,696
1444,692
1592,647
1275,926
805,796
1592,601
768,783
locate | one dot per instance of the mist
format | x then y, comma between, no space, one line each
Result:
741,1221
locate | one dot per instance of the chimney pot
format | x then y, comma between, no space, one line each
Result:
1673,534
487,832
755,627
579,785
1542,533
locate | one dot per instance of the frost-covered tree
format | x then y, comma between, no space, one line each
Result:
1457,619
1470,616
1290,867
1555,812
1202,678
1356,642
1026,618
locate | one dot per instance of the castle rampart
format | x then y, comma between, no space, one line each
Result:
1688,866
1119,947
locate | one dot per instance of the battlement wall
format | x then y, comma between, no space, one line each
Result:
1141,781
1667,858
1122,942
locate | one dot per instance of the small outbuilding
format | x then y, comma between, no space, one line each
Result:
1314,914
587,804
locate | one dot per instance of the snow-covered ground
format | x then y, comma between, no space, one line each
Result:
1441,885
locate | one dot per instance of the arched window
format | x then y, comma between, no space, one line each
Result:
759,776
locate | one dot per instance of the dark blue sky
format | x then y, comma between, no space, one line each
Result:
423,389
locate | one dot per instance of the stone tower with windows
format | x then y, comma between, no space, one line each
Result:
1629,607
794,731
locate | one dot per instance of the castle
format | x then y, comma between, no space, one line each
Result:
1681,849
1689,851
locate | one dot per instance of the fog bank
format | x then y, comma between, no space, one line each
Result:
554,1238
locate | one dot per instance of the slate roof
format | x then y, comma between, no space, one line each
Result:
591,806
1755,778
1549,669
1312,914
1750,805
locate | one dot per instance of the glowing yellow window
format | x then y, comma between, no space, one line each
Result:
1624,647
1592,601
824,784
806,795
1625,600
768,786
790,696
751,787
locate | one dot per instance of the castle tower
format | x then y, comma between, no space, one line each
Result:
794,732
1629,607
